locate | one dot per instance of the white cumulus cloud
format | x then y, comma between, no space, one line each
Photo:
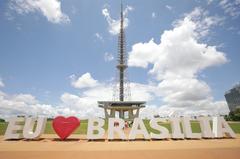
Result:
23,104
177,61
51,9
114,24
84,81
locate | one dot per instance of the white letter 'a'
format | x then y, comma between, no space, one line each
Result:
138,128
221,127
29,125
95,124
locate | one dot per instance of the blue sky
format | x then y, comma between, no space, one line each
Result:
42,47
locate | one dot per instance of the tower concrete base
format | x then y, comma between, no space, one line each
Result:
127,110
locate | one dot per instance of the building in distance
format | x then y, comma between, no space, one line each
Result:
232,97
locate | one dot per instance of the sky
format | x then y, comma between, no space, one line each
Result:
58,57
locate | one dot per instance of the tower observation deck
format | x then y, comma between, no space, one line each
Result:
127,110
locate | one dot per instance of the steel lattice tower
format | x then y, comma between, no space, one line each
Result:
121,106
122,58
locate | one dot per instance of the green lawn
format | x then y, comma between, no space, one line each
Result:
83,127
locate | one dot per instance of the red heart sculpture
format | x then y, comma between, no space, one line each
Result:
65,126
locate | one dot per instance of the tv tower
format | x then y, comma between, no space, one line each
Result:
122,90
121,106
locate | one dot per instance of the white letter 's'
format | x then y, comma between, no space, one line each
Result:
164,133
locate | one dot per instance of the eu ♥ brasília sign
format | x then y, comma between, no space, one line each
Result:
33,128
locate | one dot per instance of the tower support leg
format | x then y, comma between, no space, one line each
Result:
130,114
106,113
121,114
112,113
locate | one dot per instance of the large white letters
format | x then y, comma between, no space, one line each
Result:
137,129
176,129
205,127
14,125
118,128
95,125
19,127
164,133
187,129
29,125
221,127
